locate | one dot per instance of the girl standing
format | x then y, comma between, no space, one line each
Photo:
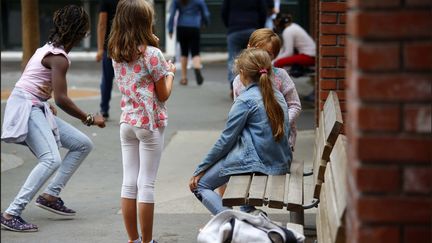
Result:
255,138
145,81
31,120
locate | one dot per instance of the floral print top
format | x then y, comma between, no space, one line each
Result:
136,81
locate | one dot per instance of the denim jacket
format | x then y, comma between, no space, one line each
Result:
247,144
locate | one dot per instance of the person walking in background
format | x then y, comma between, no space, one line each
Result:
241,17
298,46
255,137
192,15
106,14
145,81
29,119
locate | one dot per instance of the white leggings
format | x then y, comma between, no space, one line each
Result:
141,154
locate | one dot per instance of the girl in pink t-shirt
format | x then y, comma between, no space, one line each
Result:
145,81
29,119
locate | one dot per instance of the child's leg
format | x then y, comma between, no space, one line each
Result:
42,143
206,186
79,146
221,190
300,59
150,151
130,158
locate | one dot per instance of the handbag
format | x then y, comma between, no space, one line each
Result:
239,227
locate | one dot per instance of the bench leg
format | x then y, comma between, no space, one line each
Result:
297,217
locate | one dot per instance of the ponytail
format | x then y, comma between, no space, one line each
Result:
274,110
256,65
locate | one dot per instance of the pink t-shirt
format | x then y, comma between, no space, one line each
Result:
36,78
136,81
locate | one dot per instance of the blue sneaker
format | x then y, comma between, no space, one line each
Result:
57,206
17,224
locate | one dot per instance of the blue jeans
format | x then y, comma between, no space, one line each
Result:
206,186
206,194
106,83
42,143
237,41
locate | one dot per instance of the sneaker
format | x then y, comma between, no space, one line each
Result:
17,224
198,76
135,241
57,206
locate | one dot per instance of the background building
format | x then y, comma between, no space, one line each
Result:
213,37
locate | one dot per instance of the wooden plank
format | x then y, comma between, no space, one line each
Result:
332,118
296,227
237,190
330,205
287,181
323,219
338,165
257,190
276,187
317,189
294,191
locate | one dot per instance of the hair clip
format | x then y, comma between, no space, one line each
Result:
263,71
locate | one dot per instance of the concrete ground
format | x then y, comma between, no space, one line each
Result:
196,117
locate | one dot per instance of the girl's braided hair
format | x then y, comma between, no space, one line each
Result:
71,24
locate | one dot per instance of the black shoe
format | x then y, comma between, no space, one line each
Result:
198,76
104,114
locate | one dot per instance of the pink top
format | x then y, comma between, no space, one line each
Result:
36,78
136,81
286,86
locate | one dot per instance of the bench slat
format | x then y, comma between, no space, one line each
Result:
332,118
237,190
257,190
322,220
330,204
338,165
276,188
294,191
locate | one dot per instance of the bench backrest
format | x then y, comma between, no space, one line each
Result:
333,198
329,127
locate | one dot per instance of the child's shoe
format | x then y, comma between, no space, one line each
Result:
17,224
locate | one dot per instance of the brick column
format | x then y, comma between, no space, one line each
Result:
389,98
331,52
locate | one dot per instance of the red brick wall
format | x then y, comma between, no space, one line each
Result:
331,52
389,102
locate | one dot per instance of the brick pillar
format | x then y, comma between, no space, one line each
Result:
389,91
331,52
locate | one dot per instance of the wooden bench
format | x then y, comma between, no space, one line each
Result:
287,191
330,217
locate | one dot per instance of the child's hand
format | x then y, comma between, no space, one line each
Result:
99,121
193,182
171,66
53,109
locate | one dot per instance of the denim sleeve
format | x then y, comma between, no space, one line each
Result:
205,13
172,11
235,124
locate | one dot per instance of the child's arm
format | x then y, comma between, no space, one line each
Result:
292,99
164,85
238,87
59,66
